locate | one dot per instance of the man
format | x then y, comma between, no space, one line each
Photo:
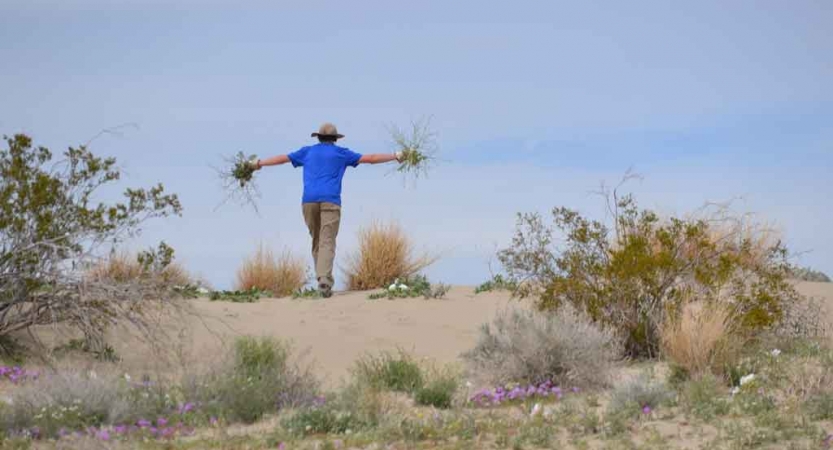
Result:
324,166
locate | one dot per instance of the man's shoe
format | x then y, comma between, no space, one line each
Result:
326,290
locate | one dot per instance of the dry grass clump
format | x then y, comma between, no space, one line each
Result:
702,340
123,267
280,275
385,254
562,346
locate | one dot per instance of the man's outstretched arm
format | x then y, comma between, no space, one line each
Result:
273,161
377,158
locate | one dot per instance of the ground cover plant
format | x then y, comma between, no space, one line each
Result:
498,282
416,286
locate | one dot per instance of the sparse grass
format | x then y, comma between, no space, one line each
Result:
280,275
123,267
385,253
562,346
701,340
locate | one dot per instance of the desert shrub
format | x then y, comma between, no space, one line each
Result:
632,275
385,253
69,399
704,397
412,287
561,346
497,283
633,396
263,271
700,339
808,274
52,226
397,372
256,378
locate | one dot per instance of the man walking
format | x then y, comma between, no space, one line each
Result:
324,166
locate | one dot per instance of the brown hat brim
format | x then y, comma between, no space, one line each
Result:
337,136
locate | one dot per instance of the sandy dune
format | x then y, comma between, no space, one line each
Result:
336,331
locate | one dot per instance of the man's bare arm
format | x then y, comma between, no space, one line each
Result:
273,161
378,158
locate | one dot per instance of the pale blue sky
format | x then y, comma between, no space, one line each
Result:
535,104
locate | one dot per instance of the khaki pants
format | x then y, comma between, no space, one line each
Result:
323,220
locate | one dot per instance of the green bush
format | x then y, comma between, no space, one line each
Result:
638,272
387,371
324,420
412,287
255,379
438,393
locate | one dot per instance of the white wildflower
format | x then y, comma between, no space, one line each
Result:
127,377
747,379
775,353
402,287
392,287
536,410
468,384
93,375
735,390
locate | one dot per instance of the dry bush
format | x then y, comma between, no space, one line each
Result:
281,276
701,340
562,346
385,254
122,267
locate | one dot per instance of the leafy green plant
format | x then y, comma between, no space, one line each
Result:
704,397
412,287
633,275
323,420
497,283
308,293
248,296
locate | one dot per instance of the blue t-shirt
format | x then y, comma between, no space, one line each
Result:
324,165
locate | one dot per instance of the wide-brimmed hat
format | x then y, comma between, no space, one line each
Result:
328,130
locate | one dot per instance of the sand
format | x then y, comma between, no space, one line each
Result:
334,332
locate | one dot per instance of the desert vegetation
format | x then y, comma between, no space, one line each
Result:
386,253
278,275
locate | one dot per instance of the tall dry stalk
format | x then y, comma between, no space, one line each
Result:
123,267
280,275
385,253
702,339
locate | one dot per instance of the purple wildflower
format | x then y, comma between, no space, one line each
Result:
213,421
62,432
281,446
167,432
153,430
646,409
142,423
161,422
120,429
576,390
103,435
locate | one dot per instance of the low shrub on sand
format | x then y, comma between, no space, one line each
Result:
563,347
